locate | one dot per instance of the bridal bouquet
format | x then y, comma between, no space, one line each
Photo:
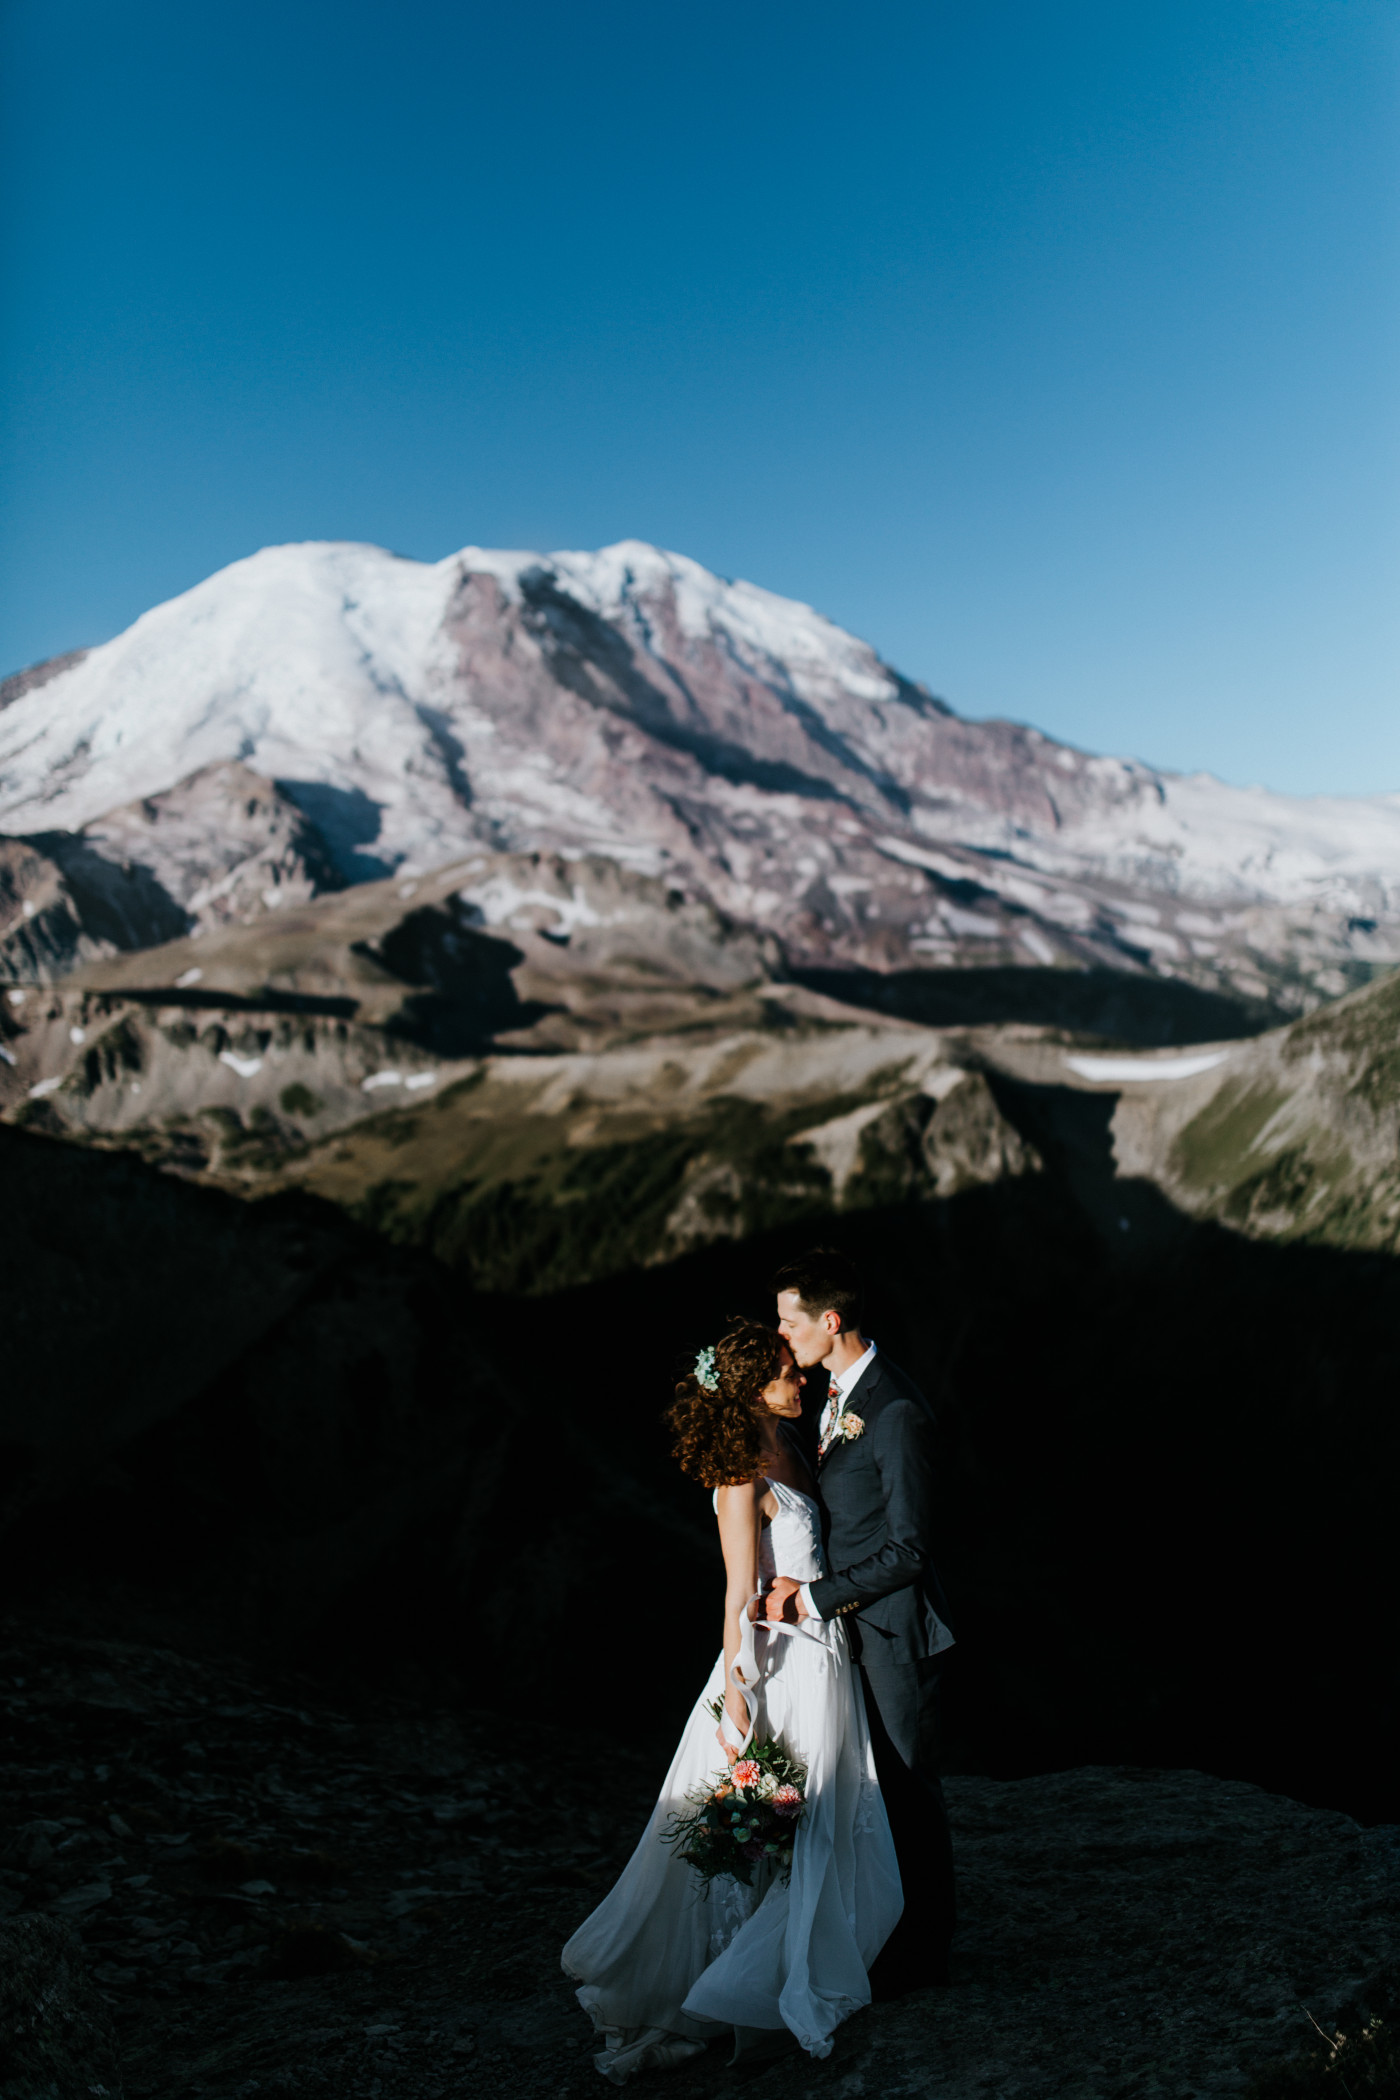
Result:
744,1818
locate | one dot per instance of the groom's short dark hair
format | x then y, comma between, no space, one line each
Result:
825,1280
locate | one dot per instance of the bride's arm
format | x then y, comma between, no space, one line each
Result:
740,1512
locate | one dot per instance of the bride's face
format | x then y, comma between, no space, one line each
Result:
783,1395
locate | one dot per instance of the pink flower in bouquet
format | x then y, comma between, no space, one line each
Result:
788,1801
747,1772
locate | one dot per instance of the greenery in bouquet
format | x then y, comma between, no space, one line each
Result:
744,1818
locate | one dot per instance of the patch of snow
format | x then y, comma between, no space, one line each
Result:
942,1081
1065,909
16,995
1114,1069
45,1087
77,1035
973,923
420,1079
922,857
245,1067
377,1079
501,902
8,1055
188,977
1154,938
1036,944
1031,894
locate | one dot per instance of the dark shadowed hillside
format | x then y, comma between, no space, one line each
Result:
1167,1485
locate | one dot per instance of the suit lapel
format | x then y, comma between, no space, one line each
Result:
866,1389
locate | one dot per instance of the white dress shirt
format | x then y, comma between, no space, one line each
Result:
843,1384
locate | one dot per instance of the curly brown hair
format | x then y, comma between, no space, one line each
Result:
715,1434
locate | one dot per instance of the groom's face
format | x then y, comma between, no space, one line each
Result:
810,1336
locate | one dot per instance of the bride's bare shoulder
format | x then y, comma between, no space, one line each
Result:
737,1503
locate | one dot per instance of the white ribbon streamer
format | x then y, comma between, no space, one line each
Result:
743,1671
743,1675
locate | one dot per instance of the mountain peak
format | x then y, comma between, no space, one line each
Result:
631,703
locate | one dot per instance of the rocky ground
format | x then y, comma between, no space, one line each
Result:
277,1893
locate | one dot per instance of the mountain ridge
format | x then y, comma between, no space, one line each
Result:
628,703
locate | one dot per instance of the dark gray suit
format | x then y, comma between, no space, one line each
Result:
877,1491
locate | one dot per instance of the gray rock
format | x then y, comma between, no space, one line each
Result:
56,2037
1131,1932
31,1844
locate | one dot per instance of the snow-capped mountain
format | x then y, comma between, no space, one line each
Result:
371,714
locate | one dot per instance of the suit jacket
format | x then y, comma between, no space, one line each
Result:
877,1490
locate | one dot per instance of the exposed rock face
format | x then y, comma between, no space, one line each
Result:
63,904
225,844
630,704
252,1042
493,1041
221,848
57,2041
543,1070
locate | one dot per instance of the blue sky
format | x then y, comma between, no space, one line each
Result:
1051,348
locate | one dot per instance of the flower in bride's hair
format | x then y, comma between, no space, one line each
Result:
705,1373
787,1801
747,1772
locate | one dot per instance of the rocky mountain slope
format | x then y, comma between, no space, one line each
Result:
330,713
553,1069
1290,1136
223,847
511,1050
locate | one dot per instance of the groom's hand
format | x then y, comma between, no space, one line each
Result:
784,1592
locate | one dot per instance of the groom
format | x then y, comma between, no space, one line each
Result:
875,1472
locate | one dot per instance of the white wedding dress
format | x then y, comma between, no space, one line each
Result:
663,1963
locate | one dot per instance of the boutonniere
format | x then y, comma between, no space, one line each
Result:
844,1430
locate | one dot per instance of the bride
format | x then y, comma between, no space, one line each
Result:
665,1962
